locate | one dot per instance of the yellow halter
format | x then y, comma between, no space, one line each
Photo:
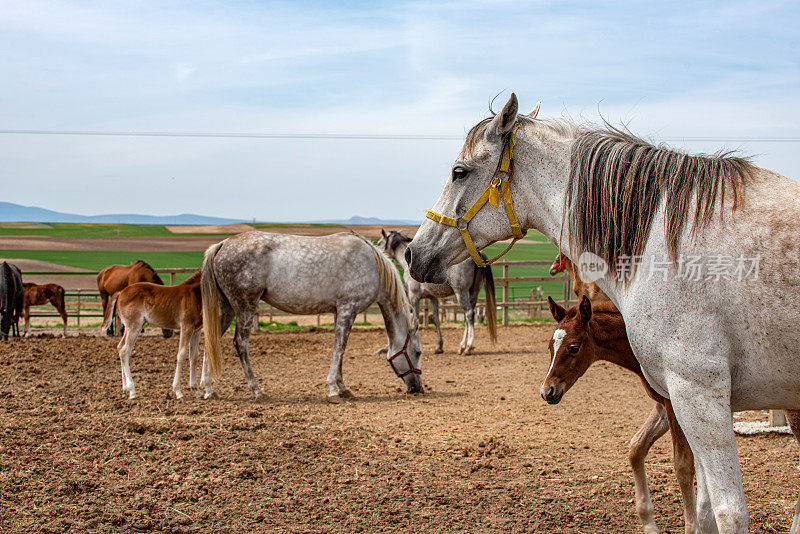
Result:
497,188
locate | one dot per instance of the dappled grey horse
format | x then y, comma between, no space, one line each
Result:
341,274
464,280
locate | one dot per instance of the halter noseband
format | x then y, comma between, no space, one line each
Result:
403,352
497,188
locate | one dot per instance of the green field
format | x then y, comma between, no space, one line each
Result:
118,230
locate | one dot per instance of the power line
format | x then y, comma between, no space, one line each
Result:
344,136
421,137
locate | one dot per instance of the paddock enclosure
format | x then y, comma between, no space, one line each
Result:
478,452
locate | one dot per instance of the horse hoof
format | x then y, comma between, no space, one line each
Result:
210,395
461,350
335,399
439,350
346,394
469,350
197,393
178,395
258,393
131,396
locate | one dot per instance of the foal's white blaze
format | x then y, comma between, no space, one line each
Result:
558,338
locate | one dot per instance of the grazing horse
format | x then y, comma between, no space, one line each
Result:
36,295
115,278
464,280
682,244
341,273
176,307
10,300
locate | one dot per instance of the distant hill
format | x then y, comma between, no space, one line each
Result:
10,212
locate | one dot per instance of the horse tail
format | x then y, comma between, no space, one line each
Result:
111,309
491,303
211,315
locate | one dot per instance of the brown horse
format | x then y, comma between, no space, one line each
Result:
36,295
115,278
176,307
590,332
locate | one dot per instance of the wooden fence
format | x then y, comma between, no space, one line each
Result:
84,306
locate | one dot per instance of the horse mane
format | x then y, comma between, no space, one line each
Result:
617,182
390,279
559,125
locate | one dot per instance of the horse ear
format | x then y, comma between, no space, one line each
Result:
383,233
535,112
556,311
504,121
586,309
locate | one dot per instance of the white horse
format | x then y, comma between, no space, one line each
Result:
340,273
464,280
712,340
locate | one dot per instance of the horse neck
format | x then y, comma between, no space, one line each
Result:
394,315
539,185
399,254
542,170
613,346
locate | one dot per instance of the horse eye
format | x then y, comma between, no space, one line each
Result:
459,173
573,349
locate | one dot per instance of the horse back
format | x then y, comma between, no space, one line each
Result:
163,306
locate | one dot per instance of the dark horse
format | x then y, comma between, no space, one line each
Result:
10,299
36,295
115,278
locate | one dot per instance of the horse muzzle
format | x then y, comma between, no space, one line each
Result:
425,267
552,394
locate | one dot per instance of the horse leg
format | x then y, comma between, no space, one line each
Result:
437,323
683,461
343,324
125,348
653,428
183,353
62,311
703,411
26,315
468,340
194,352
241,340
793,416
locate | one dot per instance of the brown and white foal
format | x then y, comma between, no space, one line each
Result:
176,307
589,332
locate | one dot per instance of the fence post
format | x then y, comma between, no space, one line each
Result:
777,418
78,313
567,288
172,278
505,295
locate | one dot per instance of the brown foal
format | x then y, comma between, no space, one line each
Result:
36,295
176,307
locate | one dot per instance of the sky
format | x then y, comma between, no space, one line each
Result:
726,71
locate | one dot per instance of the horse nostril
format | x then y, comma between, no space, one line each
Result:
408,256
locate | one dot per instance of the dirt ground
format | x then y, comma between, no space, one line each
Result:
478,452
